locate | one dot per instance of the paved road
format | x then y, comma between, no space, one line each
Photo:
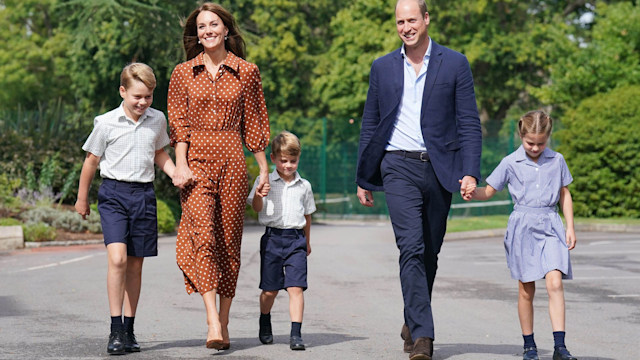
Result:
53,302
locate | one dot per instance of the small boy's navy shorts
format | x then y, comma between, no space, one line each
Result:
283,259
128,215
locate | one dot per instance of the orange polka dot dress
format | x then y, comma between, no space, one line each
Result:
215,116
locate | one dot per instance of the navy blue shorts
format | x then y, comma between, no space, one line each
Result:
283,259
128,215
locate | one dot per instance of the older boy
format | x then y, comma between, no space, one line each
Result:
126,142
284,247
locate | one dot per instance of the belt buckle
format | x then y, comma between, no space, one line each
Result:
422,158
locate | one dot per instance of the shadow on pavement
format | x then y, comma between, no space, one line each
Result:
311,340
445,351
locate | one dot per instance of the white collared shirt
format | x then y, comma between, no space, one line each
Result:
407,132
286,204
127,148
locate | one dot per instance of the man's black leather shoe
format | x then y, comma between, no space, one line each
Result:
265,334
561,353
530,353
116,343
130,342
296,343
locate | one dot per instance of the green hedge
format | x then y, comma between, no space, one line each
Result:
600,144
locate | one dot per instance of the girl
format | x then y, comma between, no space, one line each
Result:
536,244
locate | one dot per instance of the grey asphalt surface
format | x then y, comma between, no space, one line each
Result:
53,302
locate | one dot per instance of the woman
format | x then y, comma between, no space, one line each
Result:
215,104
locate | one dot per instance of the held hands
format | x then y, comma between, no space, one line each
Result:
263,187
467,187
182,176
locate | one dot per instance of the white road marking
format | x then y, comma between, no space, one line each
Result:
55,263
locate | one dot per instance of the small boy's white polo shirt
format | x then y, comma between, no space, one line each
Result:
286,204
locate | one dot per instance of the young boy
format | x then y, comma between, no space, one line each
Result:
284,247
126,142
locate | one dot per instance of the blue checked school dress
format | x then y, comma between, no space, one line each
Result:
535,240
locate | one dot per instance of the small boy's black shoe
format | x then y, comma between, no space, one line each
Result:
116,343
561,353
265,333
130,342
296,343
531,353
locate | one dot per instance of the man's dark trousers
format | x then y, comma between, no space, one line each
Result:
418,208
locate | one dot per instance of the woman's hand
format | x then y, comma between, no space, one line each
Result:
182,176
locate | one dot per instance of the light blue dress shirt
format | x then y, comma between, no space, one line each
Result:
407,133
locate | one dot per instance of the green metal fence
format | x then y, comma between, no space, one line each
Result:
331,170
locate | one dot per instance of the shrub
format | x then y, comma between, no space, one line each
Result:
63,219
8,188
166,221
599,142
10,222
73,222
39,232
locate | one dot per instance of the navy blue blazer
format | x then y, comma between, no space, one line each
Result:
449,118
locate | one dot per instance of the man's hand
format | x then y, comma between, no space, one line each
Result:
365,197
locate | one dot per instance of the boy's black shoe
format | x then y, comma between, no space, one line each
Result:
530,353
265,334
561,353
116,343
296,343
130,342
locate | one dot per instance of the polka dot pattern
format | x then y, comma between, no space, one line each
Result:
215,115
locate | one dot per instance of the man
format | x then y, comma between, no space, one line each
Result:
420,141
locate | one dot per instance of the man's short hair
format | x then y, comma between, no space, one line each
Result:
285,143
422,4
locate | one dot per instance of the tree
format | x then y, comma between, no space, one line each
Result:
34,67
608,59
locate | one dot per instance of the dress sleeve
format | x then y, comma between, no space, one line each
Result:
255,125
564,172
500,176
177,107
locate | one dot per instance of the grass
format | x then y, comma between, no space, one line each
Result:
473,223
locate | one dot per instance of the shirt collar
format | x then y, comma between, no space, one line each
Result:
521,155
274,176
427,55
122,115
231,61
